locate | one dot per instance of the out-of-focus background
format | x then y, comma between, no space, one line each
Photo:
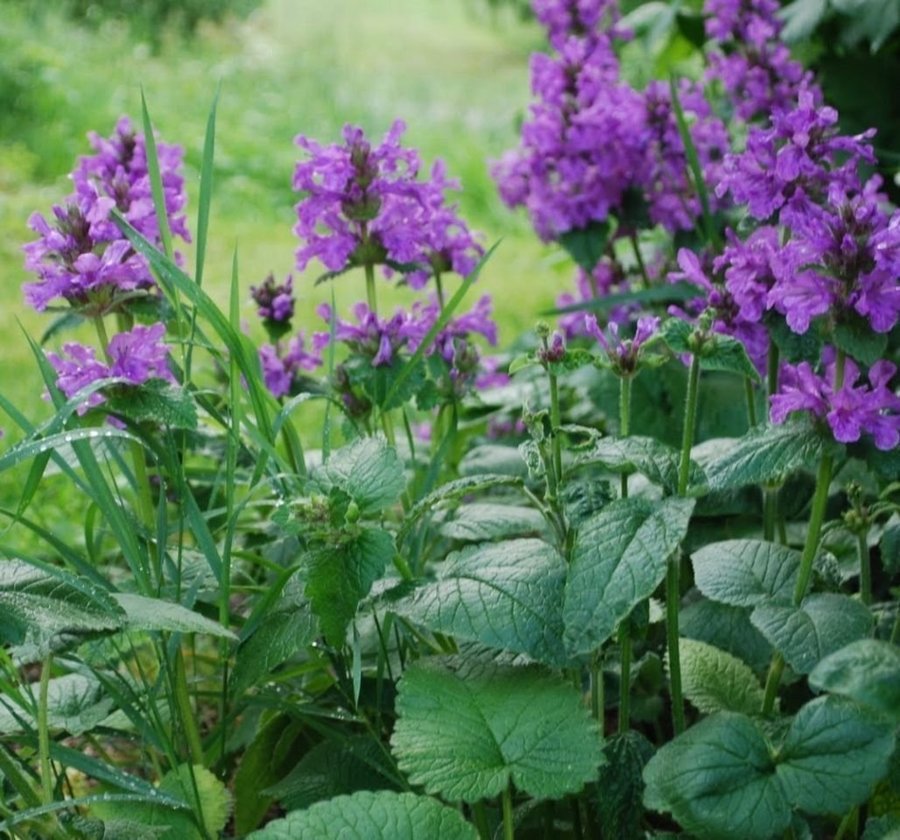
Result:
455,70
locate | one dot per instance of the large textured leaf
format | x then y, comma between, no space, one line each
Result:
339,578
156,402
51,602
744,573
368,470
657,461
467,728
728,628
142,613
868,671
718,780
618,560
767,453
279,636
75,704
833,755
333,768
620,786
716,681
366,816
718,352
822,624
491,521
506,595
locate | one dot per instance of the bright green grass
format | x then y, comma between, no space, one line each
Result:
296,66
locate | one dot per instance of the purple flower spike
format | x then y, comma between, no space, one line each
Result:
623,354
282,366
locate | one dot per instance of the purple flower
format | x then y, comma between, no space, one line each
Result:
363,205
136,356
377,338
275,305
850,411
623,353
282,365
565,19
81,256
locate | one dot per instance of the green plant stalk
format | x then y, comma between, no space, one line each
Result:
479,816
635,245
773,359
751,402
509,831
13,774
770,512
556,422
598,703
186,711
625,644
372,298
673,570
43,726
865,569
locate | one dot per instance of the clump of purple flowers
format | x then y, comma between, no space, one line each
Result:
81,256
363,205
135,356
284,363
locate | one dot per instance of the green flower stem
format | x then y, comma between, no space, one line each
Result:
625,645
673,571
624,421
598,703
43,726
479,815
371,296
509,831
556,422
770,512
772,370
635,245
750,394
865,569
100,327
186,711
813,532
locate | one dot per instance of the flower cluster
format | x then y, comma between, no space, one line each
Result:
850,409
623,353
81,256
135,356
363,205
284,363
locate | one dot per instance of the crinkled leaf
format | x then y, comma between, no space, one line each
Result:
506,595
744,573
367,815
368,470
143,613
466,729
280,635
75,704
833,755
333,768
728,628
618,559
726,353
824,623
657,461
492,458
868,671
767,453
620,786
588,244
51,601
718,780
716,681
489,521
339,577
156,401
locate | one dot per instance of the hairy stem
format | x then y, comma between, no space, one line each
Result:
43,726
865,569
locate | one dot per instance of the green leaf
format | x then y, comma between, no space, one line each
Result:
867,671
156,401
618,559
281,634
493,521
744,573
467,728
728,628
365,815
793,347
648,456
716,681
49,601
620,786
726,353
801,18
214,802
882,828
667,293
718,780
833,755
493,458
75,704
340,577
368,470
824,623
767,453
334,768
505,595
142,613
855,337
587,245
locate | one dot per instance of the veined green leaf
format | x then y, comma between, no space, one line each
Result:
143,613
507,595
368,470
716,681
400,816
466,729
868,671
619,558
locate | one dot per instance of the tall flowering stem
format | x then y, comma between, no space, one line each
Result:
625,646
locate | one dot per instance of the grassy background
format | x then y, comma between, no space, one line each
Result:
456,75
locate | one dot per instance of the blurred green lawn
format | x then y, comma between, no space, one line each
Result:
456,76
